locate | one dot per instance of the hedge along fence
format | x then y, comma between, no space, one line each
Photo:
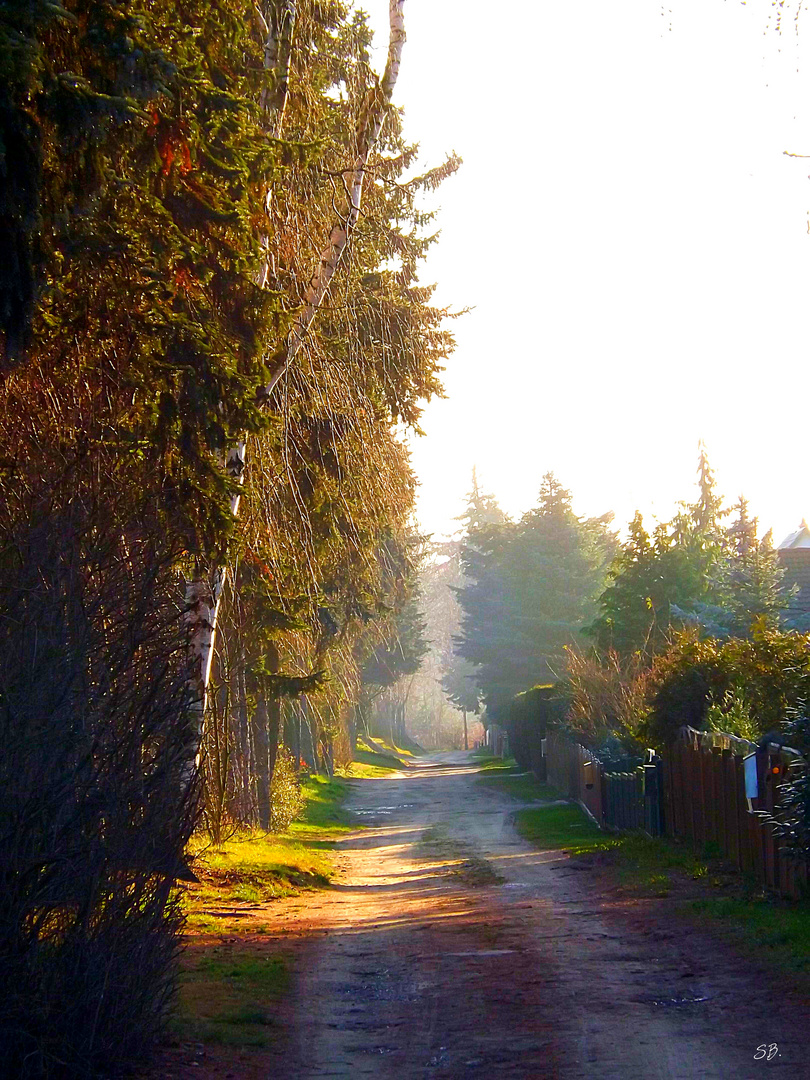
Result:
696,793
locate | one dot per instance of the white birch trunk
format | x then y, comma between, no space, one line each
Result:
368,130
204,593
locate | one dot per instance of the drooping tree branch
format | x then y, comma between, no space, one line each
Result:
204,592
369,125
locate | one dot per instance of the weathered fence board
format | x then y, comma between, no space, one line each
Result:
696,793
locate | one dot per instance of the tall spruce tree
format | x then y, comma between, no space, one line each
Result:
531,588
748,583
693,571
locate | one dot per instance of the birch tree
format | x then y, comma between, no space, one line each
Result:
204,593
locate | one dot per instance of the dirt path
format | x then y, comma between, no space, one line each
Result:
504,963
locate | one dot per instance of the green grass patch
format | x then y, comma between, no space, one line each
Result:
771,930
227,996
779,930
644,866
489,761
323,818
246,872
509,779
564,827
480,753
227,992
382,746
251,867
363,770
380,754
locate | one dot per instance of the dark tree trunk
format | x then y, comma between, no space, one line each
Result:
273,707
310,727
464,715
261,747
243,741
273,734
297,737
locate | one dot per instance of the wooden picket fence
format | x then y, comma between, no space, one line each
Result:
705,803
575,771
695,793
624,801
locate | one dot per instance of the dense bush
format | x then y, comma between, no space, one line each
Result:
770,672
607,700
529,717
793,812
95,806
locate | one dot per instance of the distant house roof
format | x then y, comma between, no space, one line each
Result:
794,555
798,539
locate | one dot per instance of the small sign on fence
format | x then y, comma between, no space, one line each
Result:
751,781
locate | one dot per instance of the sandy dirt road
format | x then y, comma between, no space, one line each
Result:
452,948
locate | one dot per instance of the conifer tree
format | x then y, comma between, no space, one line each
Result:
482,509
748,584
693,571
530,589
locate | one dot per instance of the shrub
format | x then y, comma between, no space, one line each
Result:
528,718
286,799
95,799
767,676
607,700
733,716
792,815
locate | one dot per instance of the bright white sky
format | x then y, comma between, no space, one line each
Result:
634,242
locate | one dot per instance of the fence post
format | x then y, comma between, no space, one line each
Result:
694,792
667,794
677,824
655,774
704,788
731,837
760,843
718,808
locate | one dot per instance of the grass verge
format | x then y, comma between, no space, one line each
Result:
230,977
642,866
226,996
778,930
366,770
483,753
377,754
703,886
504,775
